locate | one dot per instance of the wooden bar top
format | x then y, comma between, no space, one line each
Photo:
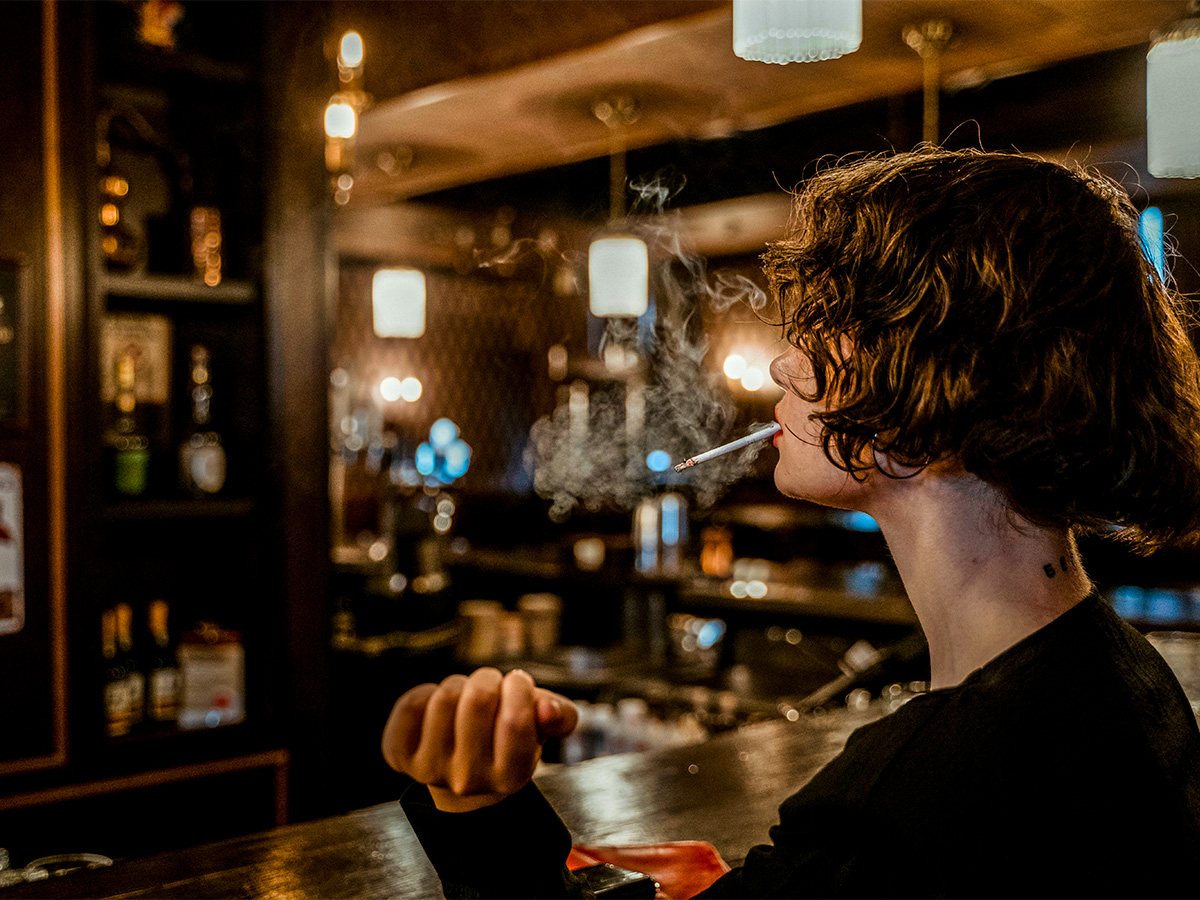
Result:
726,791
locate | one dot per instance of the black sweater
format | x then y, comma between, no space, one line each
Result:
1069,765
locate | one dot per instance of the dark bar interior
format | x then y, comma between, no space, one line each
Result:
308,397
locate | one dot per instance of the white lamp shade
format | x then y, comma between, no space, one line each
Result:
618,276
341,121
1173,103
398,303
784,31
350,50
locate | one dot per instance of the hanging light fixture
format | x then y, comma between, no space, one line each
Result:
784,31
618,272
342,114
398,303
1172,98
929,40
618,262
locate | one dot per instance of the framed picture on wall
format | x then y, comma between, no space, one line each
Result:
147,338
12,372
12,558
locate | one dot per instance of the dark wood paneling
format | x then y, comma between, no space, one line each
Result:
300,284
32,736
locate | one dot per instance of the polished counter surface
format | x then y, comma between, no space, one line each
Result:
725,791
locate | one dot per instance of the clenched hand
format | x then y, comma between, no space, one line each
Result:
474,740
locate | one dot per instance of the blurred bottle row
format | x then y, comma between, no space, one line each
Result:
132,453
631,726
490,633
155,684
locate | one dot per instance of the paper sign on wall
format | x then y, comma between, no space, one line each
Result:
148,339
12,570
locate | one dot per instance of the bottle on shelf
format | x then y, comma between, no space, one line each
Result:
212,666
201,455
117,717
129,447
206,244
123,249
134,677
162,668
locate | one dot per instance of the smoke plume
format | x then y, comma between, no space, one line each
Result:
595,450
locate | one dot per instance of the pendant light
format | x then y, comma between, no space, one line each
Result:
618,262
1173,98
784,31
342,114
929,40
398,303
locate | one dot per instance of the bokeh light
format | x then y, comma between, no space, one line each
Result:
410,390
350,51
457,458
753,379
658,460
426,459
341,121
442,433
389,388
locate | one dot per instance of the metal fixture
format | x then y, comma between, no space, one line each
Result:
618,261
929,40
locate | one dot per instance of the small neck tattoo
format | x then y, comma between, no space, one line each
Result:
1050,569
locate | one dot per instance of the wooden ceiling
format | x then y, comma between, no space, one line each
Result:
469,91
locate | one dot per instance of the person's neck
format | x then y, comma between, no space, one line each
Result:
979,578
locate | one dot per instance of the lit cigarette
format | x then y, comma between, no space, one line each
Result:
753,438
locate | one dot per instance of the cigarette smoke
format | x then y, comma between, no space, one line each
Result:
592,450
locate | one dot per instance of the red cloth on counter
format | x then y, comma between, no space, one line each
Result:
681,868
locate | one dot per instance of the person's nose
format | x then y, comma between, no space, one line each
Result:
779,370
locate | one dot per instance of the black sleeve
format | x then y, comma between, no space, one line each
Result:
515,848
817,866
828,841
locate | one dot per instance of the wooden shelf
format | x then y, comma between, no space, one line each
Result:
801,599
132,64
179,508
276,759
177,288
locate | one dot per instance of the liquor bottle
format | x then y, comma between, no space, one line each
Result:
212,665
129,447
201,456
162,668
117,719
135,680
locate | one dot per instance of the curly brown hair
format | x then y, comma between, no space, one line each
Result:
997,311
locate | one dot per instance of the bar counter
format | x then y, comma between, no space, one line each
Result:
725,791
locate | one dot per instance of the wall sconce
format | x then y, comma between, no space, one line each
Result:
784,31
350,57
341,118
342,113
736,368
398,303
392,389
1172,101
